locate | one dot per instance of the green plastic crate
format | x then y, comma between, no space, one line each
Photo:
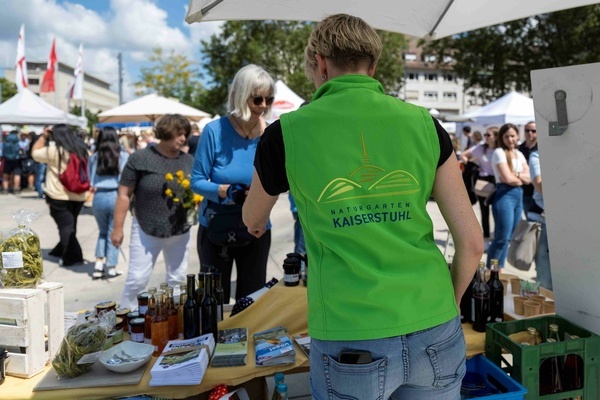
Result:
526,360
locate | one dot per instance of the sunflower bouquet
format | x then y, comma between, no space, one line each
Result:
178,191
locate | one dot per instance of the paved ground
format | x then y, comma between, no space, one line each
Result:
82,293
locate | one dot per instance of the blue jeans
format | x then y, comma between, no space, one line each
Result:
40,177
507,209
542,257
425,365
299,243
103,207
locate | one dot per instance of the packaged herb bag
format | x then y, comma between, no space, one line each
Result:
21,262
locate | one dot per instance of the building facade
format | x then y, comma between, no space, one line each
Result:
97,95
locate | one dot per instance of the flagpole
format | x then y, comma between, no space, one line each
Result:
82,94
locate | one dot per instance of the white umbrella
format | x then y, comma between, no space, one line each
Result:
514,108
149,108
437,18
286,100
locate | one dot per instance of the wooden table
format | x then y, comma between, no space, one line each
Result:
281,305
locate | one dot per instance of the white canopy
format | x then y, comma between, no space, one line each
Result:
512,108
149,108
26,107
286,100
437,18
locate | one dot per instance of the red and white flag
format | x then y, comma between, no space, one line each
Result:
21,63
48,81
75,90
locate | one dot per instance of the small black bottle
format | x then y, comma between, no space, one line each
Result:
208,308
496,293
191,317
465,302
480,296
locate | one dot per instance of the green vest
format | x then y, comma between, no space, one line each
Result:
361,166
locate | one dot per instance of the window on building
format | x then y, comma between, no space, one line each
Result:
33,81
430,96
410,57
432,77
450,96
412,76
412,95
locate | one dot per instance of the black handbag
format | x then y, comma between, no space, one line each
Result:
225,226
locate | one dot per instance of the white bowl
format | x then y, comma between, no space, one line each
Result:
140,351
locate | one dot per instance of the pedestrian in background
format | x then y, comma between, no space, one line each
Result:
105,167
527,147
222,172
379,290
54,148
158,224
511,173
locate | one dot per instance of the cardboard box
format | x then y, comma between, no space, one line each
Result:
25,315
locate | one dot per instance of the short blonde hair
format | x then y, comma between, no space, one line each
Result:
247,82
346,40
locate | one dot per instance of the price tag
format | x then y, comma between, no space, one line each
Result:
12,259
89,358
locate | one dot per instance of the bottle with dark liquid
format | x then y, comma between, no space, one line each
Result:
171,312
465,302
550,374
496,293
219,295
149,314
191,317
182,299
208,308
480,301
573,372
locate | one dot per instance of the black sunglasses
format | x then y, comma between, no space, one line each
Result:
258,100
526,130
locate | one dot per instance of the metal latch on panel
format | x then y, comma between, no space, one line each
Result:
559,127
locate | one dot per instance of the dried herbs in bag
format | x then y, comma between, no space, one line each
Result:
21,263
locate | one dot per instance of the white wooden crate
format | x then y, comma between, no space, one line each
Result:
24,313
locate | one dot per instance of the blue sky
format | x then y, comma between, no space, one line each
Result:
105,27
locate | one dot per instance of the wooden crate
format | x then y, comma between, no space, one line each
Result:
24,314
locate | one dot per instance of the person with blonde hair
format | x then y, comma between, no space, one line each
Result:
362,165
222,173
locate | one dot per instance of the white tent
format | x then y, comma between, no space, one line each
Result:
150,108
437,18
512,108
286,100
28,108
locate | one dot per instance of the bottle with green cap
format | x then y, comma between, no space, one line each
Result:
282,391
278,380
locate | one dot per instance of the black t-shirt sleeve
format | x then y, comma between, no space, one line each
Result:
446,147
270,160
270,157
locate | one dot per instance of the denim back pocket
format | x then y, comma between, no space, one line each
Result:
355,381
448,359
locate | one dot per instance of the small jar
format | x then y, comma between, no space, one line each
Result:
142,299
130,316
137,330
105,307
291,271
122,313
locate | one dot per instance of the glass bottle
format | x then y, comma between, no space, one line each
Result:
532,336
208,308
219,295
550,374
496,293
282,391
149,314
465,302
480,301
573,372
160,326
553,332
171,314
278,378
182,299
191,317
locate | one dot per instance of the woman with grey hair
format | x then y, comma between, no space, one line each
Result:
222,173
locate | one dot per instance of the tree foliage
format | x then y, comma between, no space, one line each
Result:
500,58
170,75
91,117
9,89
278,46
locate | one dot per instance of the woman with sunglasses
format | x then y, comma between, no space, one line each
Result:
481,154
222,173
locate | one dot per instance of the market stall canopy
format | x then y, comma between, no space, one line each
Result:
436,18
27,108
286,100
150,108
513,108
